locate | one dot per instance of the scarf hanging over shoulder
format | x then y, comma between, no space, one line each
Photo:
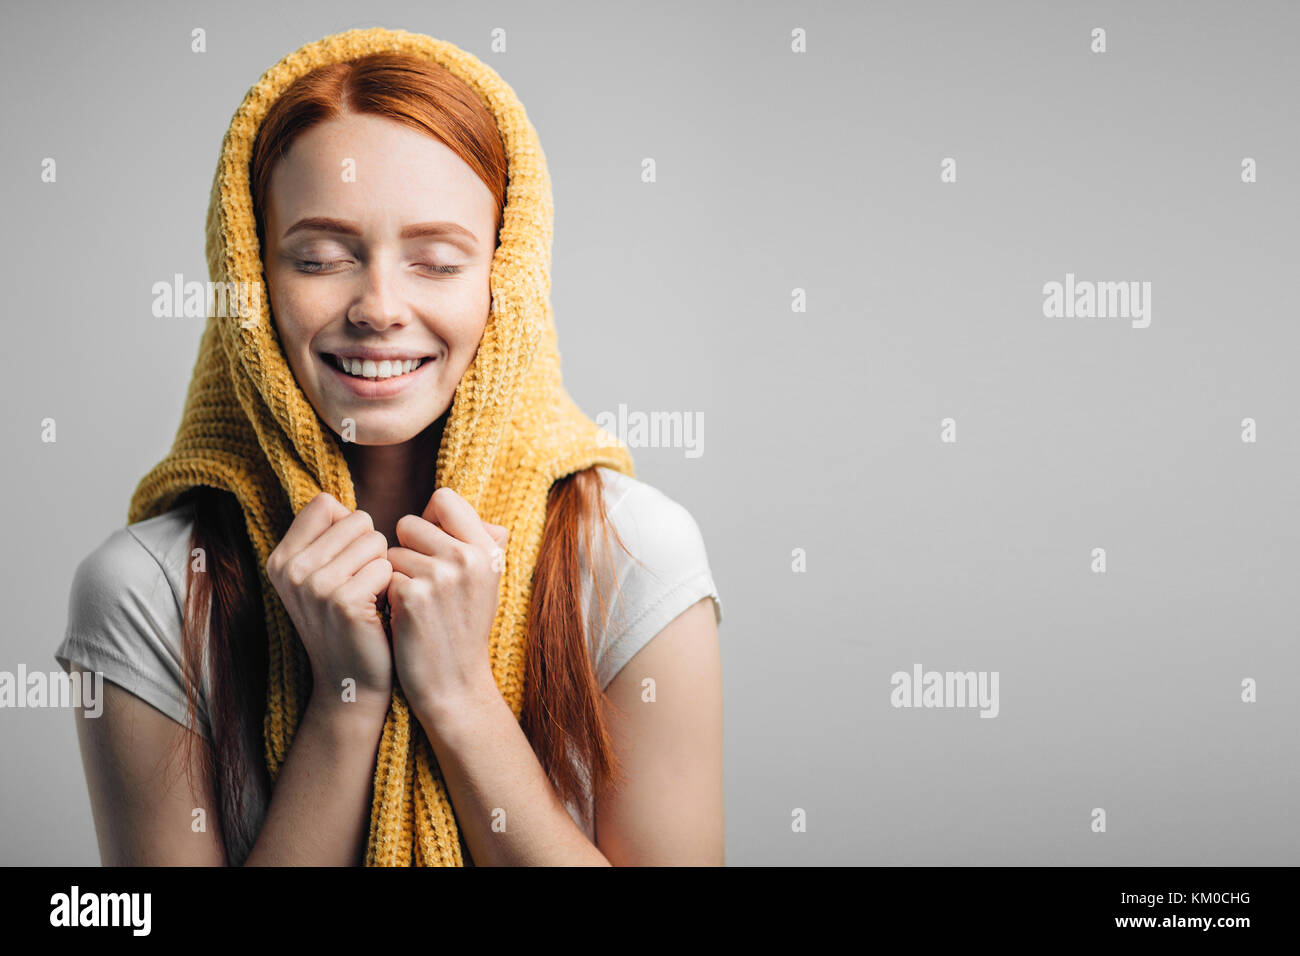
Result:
512,431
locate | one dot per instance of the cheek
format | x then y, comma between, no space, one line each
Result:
468,334
471,315
300,309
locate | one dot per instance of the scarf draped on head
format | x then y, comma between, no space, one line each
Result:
511,432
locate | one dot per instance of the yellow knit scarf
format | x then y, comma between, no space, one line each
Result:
512,431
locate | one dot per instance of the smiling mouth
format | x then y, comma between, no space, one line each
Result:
373,371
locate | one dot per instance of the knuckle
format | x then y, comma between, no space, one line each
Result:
318,587
418,591
296,571
445,578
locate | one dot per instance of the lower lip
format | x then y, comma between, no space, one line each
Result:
379,387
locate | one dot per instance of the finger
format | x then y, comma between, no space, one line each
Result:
499,534
368,583
314,519
395,584
332,542
408,561
424,537
355,556
456,516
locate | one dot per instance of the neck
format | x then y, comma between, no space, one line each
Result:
395,480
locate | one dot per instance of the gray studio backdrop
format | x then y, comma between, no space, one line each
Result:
850,537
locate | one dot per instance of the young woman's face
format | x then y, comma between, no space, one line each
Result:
379,243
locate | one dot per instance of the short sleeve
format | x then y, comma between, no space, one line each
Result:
670,573
124,621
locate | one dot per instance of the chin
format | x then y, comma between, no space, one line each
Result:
371,431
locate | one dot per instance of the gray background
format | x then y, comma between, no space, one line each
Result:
777,171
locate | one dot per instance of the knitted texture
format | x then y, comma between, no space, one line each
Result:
248,428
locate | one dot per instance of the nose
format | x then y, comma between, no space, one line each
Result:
379,305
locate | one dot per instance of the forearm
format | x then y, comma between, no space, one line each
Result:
493,776
320,806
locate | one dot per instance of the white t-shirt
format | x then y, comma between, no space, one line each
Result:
124,612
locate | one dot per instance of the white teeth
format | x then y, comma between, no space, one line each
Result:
369,368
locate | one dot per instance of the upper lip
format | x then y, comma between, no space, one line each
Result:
379,355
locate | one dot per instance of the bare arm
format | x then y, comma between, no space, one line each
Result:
670,810
329,569
144,806
320,806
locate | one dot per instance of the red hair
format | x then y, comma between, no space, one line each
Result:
562,712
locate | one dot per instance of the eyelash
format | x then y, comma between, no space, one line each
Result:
314,267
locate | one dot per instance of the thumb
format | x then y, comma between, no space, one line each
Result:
499,534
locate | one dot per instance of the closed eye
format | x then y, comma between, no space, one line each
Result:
322,266
310,265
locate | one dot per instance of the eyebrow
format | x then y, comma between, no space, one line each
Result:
417,230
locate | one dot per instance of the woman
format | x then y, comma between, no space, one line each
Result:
519,667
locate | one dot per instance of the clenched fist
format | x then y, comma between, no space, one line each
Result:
442,597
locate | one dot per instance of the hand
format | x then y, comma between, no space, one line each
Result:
443,599
329,570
